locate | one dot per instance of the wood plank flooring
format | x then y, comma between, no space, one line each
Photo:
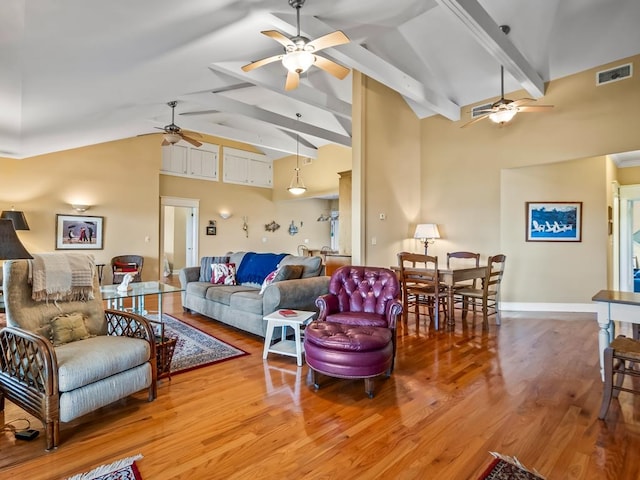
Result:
529,388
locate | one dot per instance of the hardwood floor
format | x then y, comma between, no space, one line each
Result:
529,388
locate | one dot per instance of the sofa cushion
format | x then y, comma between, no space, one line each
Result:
312,266
198,289
205,266
223,273
87,361
248,301
285,272
223,293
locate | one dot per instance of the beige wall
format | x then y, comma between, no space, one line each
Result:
547,272
118,179
462,170
121,181
389,145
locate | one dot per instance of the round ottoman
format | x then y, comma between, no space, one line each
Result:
348,351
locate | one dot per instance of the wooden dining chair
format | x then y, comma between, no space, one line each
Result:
463,259
488,295
420,284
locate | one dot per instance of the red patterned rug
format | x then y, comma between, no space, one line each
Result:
124,469
507,468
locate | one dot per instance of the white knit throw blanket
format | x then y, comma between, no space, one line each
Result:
62,276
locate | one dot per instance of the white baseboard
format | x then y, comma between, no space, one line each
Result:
548,307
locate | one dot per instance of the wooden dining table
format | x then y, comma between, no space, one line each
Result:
449,277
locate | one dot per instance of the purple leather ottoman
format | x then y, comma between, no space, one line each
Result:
348,351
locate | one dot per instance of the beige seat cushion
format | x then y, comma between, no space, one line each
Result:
87,361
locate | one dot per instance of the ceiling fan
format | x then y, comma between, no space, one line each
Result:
173,133
300,52
504,110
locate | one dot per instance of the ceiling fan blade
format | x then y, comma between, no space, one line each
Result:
476,120
331,67
193,142
535,108
260,63
190,133
522,101
329,40
278,37
293,79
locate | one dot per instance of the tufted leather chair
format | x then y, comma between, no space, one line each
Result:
362,296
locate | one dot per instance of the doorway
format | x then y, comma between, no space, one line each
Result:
628,241
179,238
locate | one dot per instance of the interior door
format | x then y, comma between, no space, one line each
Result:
629,235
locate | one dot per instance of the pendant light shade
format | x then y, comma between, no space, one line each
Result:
296,187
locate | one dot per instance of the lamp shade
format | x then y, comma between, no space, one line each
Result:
10,246
17,217
426,230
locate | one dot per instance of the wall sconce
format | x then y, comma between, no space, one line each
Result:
80,208
17,217
427,232
224,215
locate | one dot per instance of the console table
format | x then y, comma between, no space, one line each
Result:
137,291
614,305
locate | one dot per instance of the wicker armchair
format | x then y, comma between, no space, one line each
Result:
123,264
60,383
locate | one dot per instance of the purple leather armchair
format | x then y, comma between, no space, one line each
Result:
362,296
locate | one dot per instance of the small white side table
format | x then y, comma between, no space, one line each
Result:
291,348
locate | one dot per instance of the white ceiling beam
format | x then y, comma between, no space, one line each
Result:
294,125
489,35
361,59
303,93
268,142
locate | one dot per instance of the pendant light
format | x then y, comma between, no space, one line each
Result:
296,187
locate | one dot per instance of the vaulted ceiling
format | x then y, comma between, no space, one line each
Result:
79,72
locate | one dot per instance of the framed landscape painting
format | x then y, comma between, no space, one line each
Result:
554,221
77,232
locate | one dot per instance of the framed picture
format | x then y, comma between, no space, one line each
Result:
554,221
211,230
78,232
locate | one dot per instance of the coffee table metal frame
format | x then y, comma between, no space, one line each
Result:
291,348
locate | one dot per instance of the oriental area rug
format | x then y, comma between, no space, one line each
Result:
194,348
507,468
124,469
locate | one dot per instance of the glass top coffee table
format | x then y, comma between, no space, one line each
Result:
137,292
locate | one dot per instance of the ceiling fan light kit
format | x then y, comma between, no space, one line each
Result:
298,61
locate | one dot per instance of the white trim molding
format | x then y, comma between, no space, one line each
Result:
548,307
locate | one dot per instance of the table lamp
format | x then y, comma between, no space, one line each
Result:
10,246
17,217
426,232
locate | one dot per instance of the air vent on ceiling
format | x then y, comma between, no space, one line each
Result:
614,74
480,110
